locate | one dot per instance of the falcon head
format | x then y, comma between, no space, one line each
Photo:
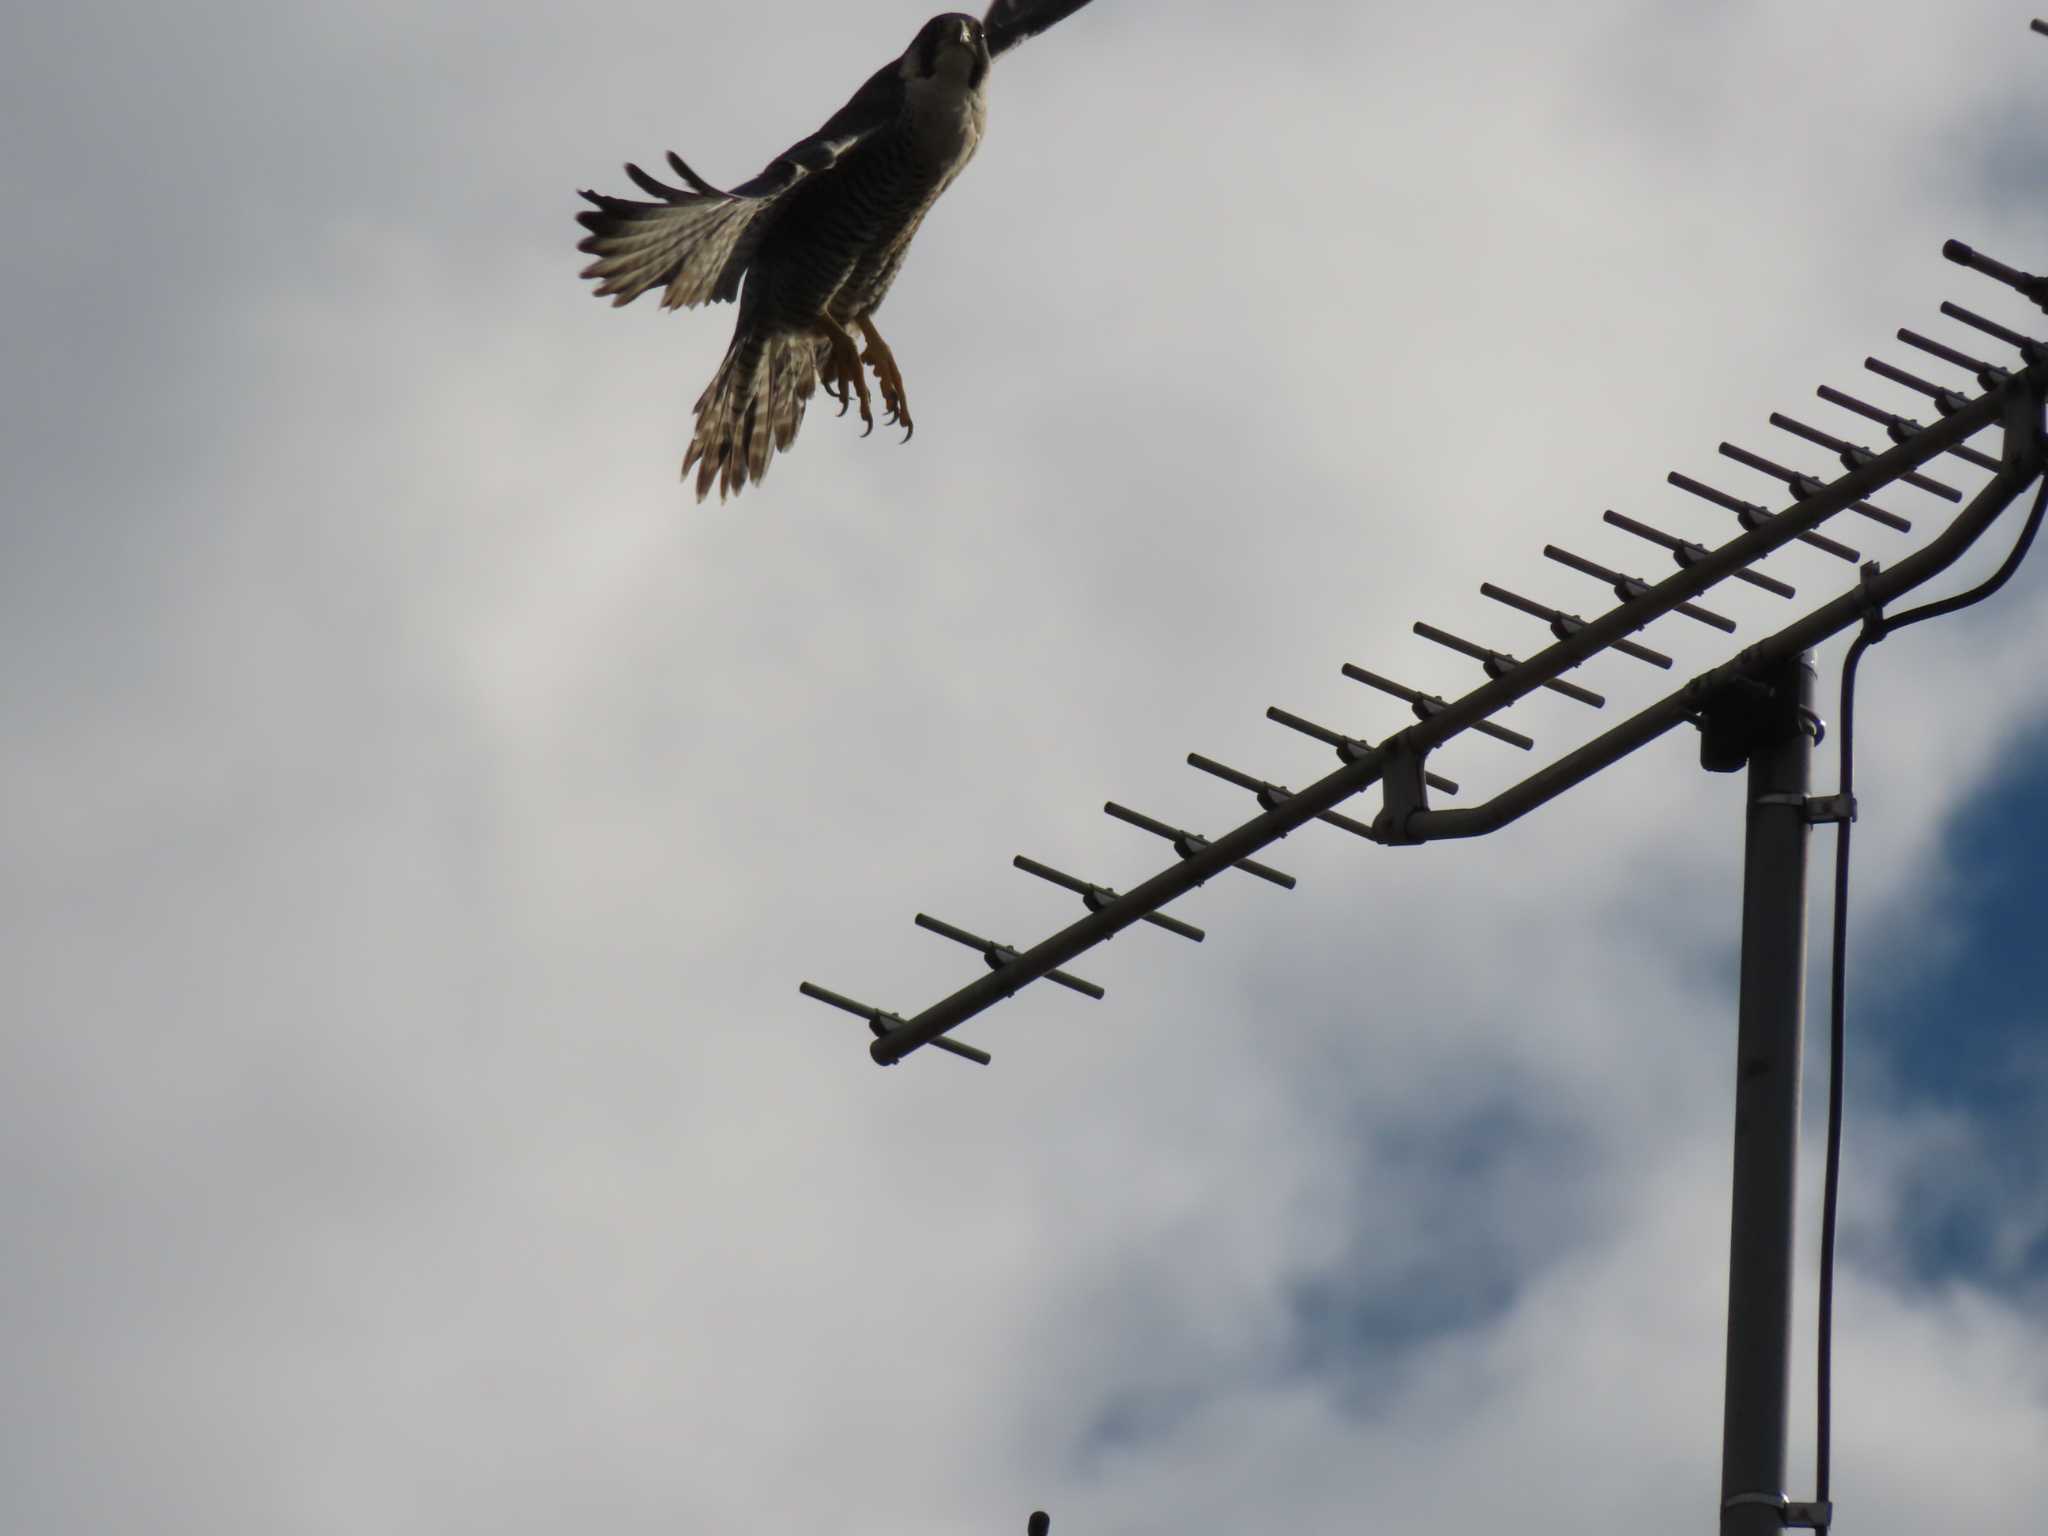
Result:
952,46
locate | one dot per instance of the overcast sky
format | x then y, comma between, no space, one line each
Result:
420,813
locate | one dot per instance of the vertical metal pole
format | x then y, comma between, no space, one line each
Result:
1772,1013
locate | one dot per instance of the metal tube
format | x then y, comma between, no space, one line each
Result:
1804,485
1900,427
2027,345
1754,516
1768,1044
1852,454
1988,375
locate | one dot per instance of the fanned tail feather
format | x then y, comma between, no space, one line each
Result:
752,408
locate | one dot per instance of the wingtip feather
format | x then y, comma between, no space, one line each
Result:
653,188
691,179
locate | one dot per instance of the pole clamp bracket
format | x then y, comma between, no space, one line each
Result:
1815,1516
1825,810
1738,714
1404,790
1820,810
1875,625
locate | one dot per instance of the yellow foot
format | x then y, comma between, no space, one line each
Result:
842,374
889,377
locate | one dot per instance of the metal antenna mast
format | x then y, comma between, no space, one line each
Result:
1754,710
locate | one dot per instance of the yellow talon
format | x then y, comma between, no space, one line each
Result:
895,400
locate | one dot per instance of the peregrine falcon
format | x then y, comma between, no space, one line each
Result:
810,246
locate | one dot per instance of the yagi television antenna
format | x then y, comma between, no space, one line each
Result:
1754,709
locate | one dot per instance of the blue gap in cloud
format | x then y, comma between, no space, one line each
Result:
1456,1209
1483,1202
1967,1031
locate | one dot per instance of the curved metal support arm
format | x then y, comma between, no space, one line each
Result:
2026,449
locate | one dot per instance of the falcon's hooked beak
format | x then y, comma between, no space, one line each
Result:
975,40
954,36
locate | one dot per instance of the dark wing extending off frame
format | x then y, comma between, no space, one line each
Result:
695,241
1009,22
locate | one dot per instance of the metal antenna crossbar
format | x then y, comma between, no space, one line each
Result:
1564,625
1899,428
2035,288
1688,553
1349,748
1271,795
1989,375
881,1021
2008,397
1427,704
1803,486
1633,588
1499,664
1190,845
1096,897
1947,401
2029,349
1751,515
1000,955
1853,455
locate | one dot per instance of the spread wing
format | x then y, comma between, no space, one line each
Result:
694,241
1009,22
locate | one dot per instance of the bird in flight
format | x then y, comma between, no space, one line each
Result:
810,246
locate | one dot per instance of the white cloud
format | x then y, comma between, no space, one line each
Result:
422,814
